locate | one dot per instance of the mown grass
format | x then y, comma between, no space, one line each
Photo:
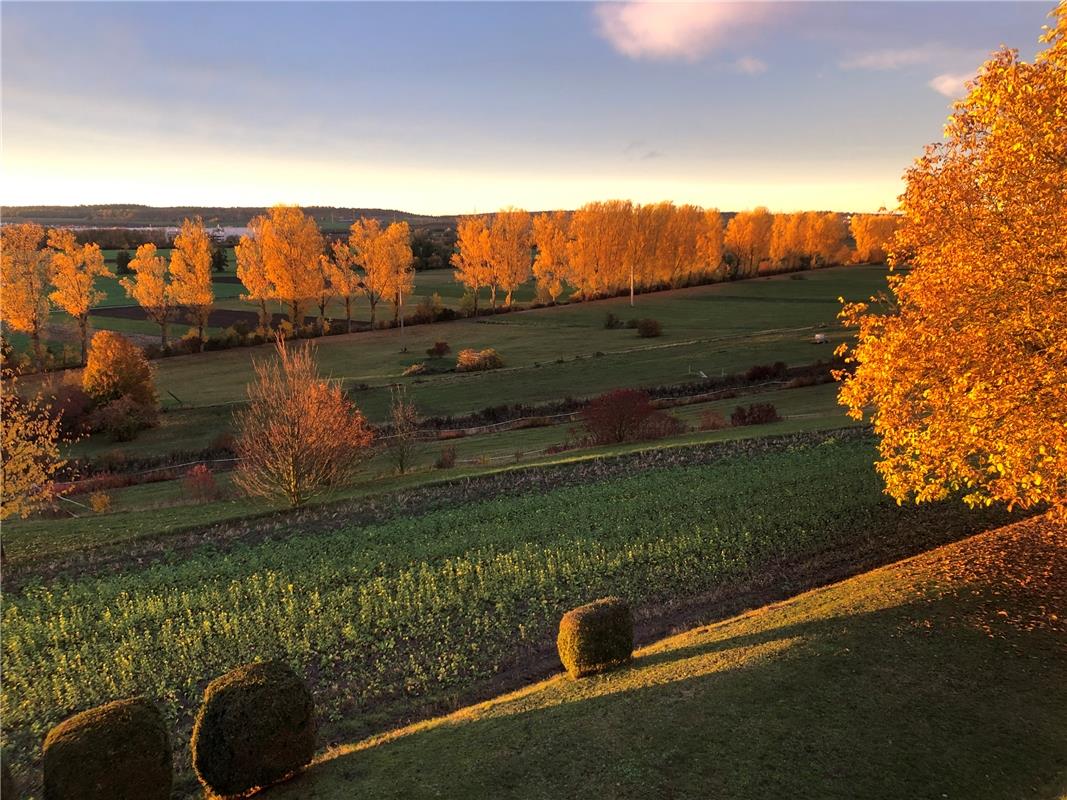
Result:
941,676
400,612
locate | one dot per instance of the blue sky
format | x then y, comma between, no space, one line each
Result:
461,107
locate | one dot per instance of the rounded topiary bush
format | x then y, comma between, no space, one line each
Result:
117,751
596,636
255,727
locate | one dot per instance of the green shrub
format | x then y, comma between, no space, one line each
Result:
596,636
649,328
117,751
255,727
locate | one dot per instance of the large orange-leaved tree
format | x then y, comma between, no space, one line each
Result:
964,370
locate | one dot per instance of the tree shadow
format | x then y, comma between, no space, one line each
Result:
929,698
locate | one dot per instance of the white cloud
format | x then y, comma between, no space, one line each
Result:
749,65
891,58
951,84
668,30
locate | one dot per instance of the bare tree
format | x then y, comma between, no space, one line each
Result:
300,435
403,441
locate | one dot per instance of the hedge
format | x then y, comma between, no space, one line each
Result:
596,636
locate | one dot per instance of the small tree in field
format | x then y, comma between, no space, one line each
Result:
118,368
300,434
29,456
404,437
617,416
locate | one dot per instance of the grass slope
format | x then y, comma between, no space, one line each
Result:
936,677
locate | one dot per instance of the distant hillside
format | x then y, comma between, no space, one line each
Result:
132,215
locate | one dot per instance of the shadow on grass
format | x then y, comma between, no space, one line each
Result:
932,698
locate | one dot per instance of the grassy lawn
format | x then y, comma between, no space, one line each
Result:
940,676
427,604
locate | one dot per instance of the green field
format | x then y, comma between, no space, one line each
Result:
937,677
419,609
549,353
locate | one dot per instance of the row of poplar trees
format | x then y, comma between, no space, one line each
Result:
605,248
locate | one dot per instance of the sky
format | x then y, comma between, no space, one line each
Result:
450,108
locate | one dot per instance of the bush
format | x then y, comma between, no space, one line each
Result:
224,442
595,637
766,372
117,751
447,459
255,727
122,419
100,502
712,420
473,360
116,368
617,416
755,414
660,425
611,322
649,328
69,402
414,369
439,350
199,483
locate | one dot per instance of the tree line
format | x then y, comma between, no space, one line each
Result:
601,249
605,248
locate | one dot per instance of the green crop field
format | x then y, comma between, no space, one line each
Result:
937,677
411,610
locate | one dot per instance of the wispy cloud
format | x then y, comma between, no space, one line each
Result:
951,84
640,151
667,30
889,58
749,65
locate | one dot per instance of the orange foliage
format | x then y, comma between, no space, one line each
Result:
300,435
75,269
965,372
24,278
118,368
29,451
190,271
151,287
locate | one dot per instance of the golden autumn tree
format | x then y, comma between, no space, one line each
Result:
290,246
74,270
344,278
190,273
471,259
550,267
398,263
873,234
24,282
598,249
824,238
30,456
509,257
965,371
150,286
252,270
300,435
710,241
385,256
748,237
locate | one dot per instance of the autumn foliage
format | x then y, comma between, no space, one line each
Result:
964,371
300,435
30,457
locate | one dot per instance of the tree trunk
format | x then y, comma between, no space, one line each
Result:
263,315
492,296
37,353
373,309
83,325
348,314
163,335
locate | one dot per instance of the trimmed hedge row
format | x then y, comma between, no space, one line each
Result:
255,727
